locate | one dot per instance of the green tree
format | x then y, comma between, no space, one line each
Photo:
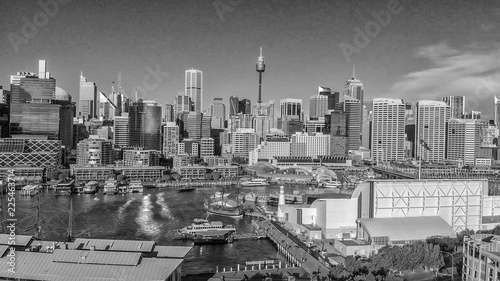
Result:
216,175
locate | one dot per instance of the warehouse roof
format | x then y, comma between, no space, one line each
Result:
407,228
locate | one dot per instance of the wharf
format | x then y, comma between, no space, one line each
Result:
294,249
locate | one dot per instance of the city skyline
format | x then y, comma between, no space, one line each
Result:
302,44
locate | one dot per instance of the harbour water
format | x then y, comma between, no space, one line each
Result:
154,215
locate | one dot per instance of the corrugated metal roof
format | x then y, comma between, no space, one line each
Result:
38,266
403,229
95,257
178,252
3,249
115,245
21,240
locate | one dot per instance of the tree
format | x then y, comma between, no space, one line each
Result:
120,177
216,175
54,175
176,176
209,176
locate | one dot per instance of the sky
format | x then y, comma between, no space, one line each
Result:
408,49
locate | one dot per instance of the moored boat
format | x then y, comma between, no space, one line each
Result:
65,188
202,226
214,237
135,186
221,209
255,182
110,187
330,184
185,188
90,187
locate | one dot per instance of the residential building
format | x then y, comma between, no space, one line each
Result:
388,130
243,141
94,152
457,106
207,147
170,138
463,140
431,130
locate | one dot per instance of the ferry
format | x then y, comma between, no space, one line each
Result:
214,237
110,187
255,182
330,184
30,190
65,188
200,226
135,186
90,187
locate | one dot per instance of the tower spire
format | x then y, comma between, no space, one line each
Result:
260,67
353,71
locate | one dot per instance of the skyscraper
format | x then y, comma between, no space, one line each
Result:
338,133
245,106
354,88
291,108
497,111
431,129
171,139
318,106
169,113
233,106
87,105
352,107
463,140
182,103
28,87
388,129
145,125
333,98
218,112
457,106
194,124
121,127
193,86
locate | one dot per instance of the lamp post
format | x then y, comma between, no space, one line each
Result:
452,263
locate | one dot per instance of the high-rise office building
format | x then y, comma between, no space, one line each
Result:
245,106
338,133
170,138
145,125
431,130
353,88
472,115
121,128
169,113
218,112
463,140
87,105
497,111
66,114
35,119
388,130
234,106
457,106
243,141
4,120
352,107
311,145
28,87
194,87
182,104
206,126
333,97
194,125
291,108
318,106
105,108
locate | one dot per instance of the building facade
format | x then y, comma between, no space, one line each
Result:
388,130
463,140
432,117
194,87
94,152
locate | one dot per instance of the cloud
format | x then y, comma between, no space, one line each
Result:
487,27
473,73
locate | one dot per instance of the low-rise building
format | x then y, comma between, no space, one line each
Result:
481,257
192,172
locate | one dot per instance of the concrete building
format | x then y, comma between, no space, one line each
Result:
207,147
312,145
138,157
243,141
182,104
194,124
169,113
291,108
30,152
352,107
481,260
121,130
94,152
170,138
267,150
194,87
318,106
463,140
145,125
218,113
87,104
388,130
431,129
338,133
457,106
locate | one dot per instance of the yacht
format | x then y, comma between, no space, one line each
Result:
110,187
331,184
135,186
255,182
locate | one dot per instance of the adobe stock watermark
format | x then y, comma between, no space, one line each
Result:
223,6
372,29
152,80
485,89
30,28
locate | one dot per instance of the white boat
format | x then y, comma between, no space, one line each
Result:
255,182
110,187
200,226
135,186
254,198
331,184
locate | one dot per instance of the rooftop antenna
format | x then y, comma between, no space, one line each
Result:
353,71
136,100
